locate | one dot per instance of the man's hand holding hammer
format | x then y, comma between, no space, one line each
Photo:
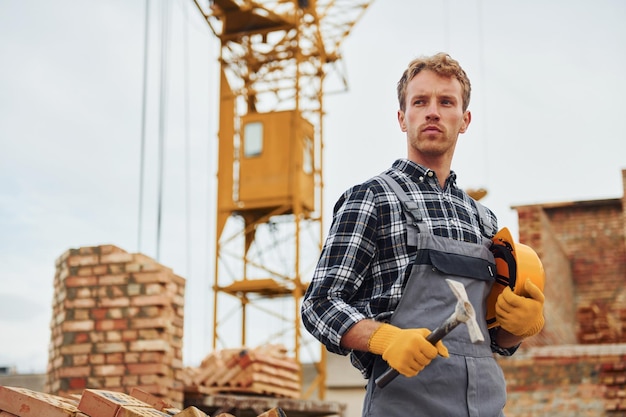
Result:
405,350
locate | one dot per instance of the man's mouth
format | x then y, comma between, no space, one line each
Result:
431,129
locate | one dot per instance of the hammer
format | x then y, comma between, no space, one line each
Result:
463,313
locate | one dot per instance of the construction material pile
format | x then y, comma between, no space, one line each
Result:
22,402
265,370
117,323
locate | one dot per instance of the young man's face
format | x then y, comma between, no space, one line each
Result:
434,116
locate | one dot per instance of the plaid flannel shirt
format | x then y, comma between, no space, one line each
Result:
365,260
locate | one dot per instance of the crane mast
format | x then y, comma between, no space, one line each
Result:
275,60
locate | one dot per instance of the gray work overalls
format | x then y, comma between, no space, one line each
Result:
469,382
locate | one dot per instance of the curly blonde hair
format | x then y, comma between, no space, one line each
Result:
441,64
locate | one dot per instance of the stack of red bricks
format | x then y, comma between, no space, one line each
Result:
265,370
117,323
613,375
22,402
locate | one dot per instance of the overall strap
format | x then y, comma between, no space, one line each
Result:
409,207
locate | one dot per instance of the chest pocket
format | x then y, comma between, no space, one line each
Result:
457,264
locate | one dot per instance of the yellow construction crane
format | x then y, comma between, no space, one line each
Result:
276,58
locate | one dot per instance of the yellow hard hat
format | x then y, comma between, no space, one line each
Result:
515,263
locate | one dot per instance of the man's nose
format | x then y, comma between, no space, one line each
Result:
432,112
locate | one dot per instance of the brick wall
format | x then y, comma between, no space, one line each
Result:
566,381
117,324
582,245
591,237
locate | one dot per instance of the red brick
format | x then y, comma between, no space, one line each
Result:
97,337
150,399
130,380
148,368
151,277
121,312
114,336
99,313
81,314
150,323
116,258
81,260
82,281
97,358
106,325
104,403
133,267
100,269
155,389
152,357
114,302
133,289
83,292
80,360
74,371
110,347
27,403
154,289
149,345
151,311
129,335
81,337
84,271
131,357
76,349
113,383
77,383
77,326
79,303
117,268
150,300
109,370
106,249
113,279
150,334
115,358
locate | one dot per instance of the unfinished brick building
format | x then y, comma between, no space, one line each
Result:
577,365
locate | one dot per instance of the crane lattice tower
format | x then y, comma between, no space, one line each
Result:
275,61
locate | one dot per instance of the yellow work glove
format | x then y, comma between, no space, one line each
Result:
521,315
405,350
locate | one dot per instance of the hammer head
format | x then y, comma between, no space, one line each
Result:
464,311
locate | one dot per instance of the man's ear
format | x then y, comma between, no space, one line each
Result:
467,118
401,120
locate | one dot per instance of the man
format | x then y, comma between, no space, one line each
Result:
380,284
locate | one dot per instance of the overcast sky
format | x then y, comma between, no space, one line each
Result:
548,109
